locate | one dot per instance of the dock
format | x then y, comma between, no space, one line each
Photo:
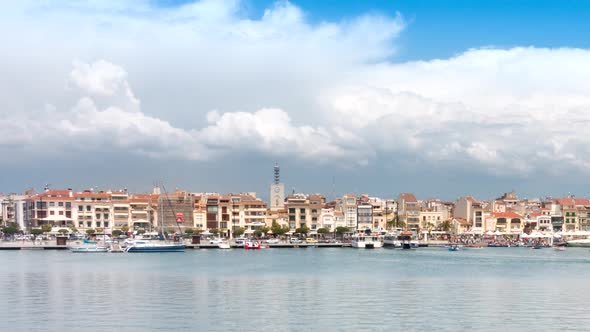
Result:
276,246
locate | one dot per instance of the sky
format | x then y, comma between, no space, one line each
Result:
439,98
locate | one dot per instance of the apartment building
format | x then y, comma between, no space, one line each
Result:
13,209
51,207
409,210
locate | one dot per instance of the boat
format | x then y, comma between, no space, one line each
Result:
150,246
538,246
252,245
491,245
224,245
453,247
390,241
405,239
88,249
368,241
578,243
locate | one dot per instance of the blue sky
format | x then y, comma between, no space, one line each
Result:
440,98
443,28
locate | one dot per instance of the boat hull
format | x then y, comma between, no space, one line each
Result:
155,248
578,244
88,249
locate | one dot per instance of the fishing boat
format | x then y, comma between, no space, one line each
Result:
252,245
88,249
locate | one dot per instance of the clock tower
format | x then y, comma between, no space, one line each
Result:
277,191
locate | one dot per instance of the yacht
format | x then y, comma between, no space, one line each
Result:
88,249
367,241
150,246
578,243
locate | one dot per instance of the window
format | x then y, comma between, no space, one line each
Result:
61,213
60,203
88,207
291,218
98,224
302,210
106,216
80,208
301,217
51,212
314,211
98,216
291,210
51,203
106,224
89,224
68,205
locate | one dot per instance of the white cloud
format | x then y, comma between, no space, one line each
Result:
282,86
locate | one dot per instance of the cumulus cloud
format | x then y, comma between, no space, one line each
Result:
324,92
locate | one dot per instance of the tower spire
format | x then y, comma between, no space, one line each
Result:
277,171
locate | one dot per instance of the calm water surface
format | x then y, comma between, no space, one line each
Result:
297,290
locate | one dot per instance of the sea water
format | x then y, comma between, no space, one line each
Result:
338,289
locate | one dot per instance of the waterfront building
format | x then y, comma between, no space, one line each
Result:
327,218
51,207
227,213
471,210
304,209
93,210
13,207
507,222
409,211
348,206
574,212
176,209
364,215
143,210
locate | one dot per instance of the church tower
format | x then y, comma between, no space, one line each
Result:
277,190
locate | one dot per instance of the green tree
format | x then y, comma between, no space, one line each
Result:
10,228
258,233
302,230
264,230
90,231
46,228
116,232
125,229
63,231
170,230
323,230
341,230
395,223
278,230
36,231
214,231
189,231
239,231
99,230
73,229
446,226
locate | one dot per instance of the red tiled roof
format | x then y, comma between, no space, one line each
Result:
408,197
573,201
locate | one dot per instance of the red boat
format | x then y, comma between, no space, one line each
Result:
252,245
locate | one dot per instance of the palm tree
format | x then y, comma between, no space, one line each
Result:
446,226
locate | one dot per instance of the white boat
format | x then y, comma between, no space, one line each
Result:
367,241
224,245
578,243
88,249
151,246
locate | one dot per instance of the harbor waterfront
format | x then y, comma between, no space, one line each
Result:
297,290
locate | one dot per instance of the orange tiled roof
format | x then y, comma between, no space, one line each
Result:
507,215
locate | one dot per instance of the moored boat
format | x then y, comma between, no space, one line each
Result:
224,245
252,245
578,243
366,241
88,249
149,246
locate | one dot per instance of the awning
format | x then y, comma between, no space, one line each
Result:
141,221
